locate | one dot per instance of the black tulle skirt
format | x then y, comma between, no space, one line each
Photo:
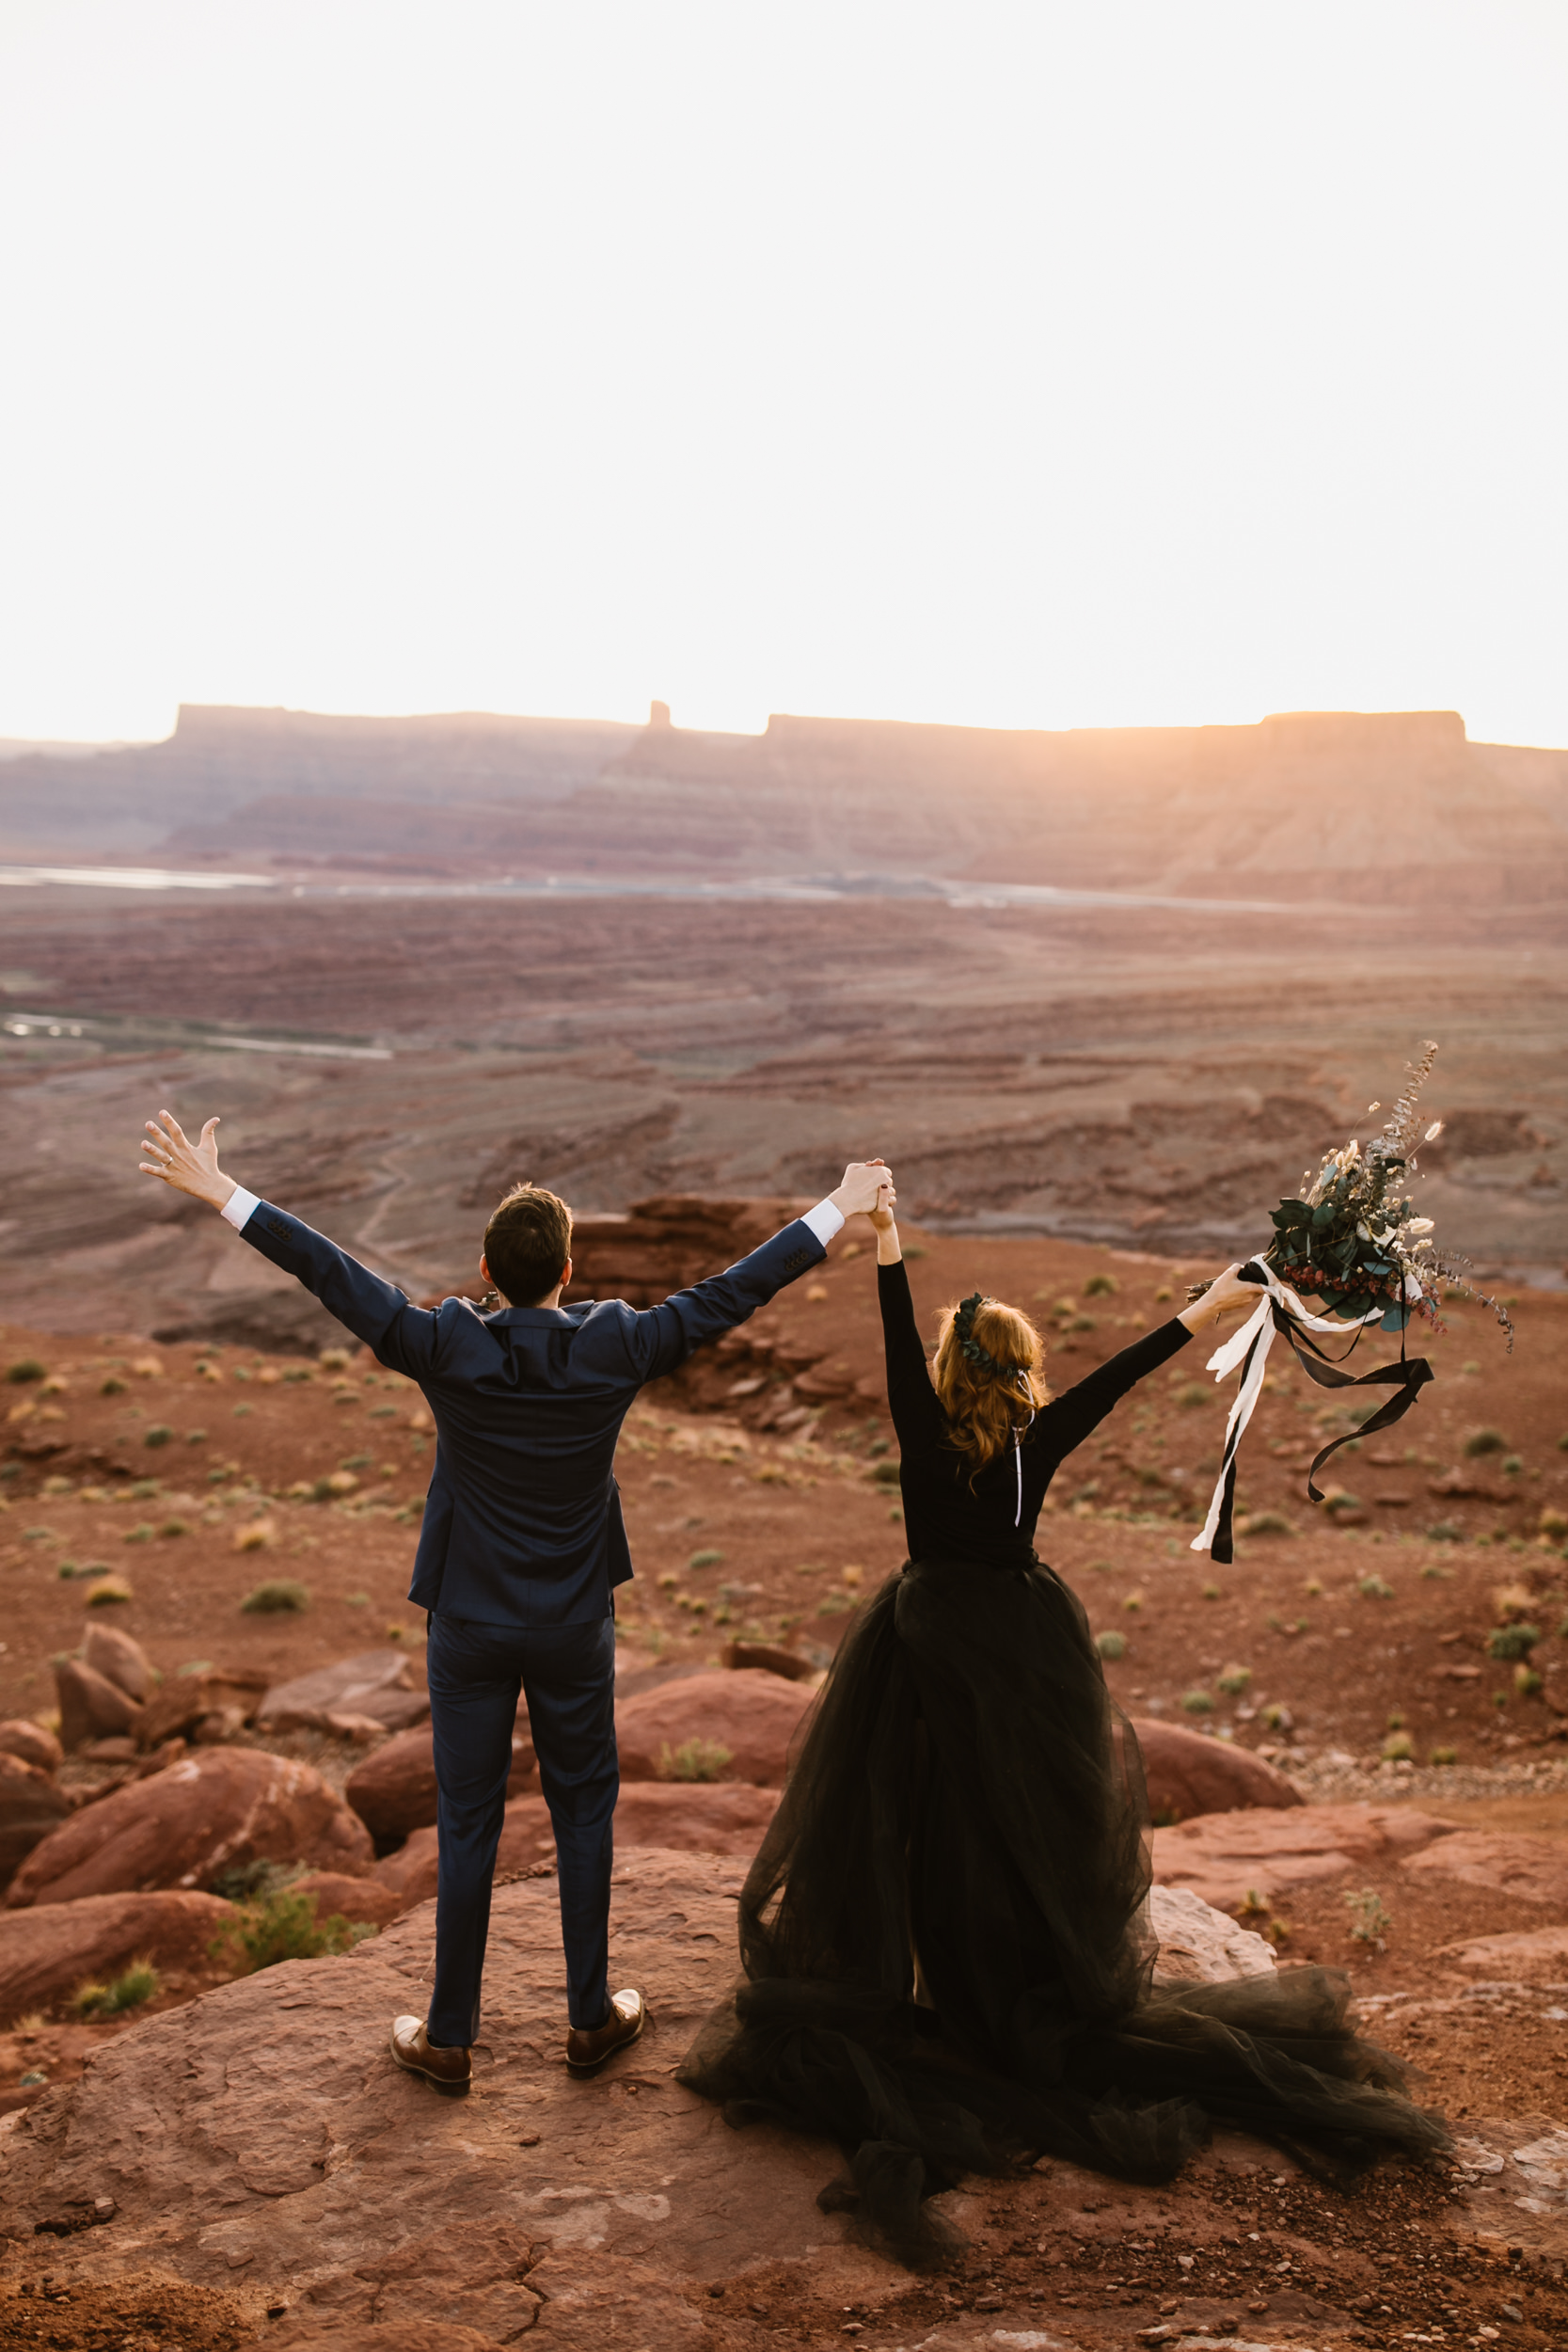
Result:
945,1941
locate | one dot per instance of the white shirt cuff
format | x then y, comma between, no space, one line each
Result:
824,1220
238,1206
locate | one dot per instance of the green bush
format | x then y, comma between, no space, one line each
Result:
1193,1393
885,1473
708,1559
1445,1531
1264,1523
159,1433
1100,1286
278,1594
1444,1755
111,1386
1485,1441
1368,1918
1373,1588
1512,1641
1235,1679
1398,1748
27,1368
280,1925
694,1759
135,1985
1111,1644
1198,1703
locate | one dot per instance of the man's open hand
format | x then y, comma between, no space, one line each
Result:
189,1166
864,1181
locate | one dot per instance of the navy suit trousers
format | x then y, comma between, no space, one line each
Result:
567,1673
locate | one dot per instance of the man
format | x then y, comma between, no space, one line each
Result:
522,1545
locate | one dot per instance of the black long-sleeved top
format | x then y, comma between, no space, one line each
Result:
943,1513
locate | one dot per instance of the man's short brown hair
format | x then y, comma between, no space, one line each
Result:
527,1242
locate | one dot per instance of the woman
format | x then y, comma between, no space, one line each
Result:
946,1935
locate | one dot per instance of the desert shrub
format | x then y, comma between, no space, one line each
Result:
1212,1592
694,1759
1444,1755
1234,1680
195,1437
106,1592
113,1386
1374,1588
1369,1920
1485,1441
334,1359
159,1433
885,1473
277,1594
278,1925
129,1990
1111,1644
26,1368
1526,1682
1398,1748
1553,1522
1277,1718
1100,1286
175,1527
357,1461
708,1559
836,1604
1193,1393
256,1537
1512,1641
140,1534
1198,1703
1134,1602
1445,1531
1264,1523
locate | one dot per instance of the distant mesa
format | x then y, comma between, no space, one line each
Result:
1364,808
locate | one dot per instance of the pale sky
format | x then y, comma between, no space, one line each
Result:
1113,362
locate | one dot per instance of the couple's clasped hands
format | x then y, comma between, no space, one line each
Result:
867,1190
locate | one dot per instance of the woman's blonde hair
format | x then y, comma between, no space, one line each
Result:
988,1377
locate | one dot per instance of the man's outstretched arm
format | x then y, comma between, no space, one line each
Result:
402,1336
663,1337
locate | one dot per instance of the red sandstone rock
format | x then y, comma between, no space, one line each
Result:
360,1902
45,1953
91,1706
1225,1857
208,1813
32,1743
772,1661
394,1791
1517,1951
229,1693
752,1714
30,1807
119,1660
1531,1869
382,1683
1188,1774
694,1816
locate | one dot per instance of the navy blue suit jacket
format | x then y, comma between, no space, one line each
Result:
522,1524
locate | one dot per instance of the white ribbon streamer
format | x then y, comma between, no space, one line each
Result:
1259,1326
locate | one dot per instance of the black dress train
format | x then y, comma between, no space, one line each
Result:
968,1801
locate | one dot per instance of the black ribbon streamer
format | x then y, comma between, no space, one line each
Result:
1409,1377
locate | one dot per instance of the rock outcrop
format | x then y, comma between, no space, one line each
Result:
752,1714
46,1952
1188,1775
30,1743
119,1660
382,1685
263,2141
30,1807
1224,1857
180,1828
1527,1867
363,1902
1199,1944
91,1706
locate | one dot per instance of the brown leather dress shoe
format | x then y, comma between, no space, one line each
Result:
451,2071
586,2052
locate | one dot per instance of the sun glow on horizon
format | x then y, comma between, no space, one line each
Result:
1016,367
